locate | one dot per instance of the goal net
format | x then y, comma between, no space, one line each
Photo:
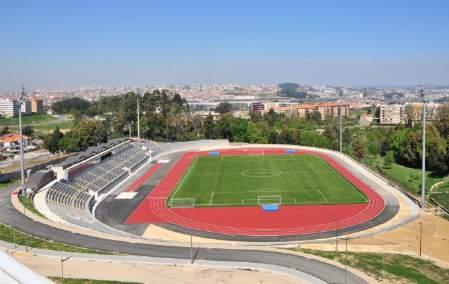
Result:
269,199
182,203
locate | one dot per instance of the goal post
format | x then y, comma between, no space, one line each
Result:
182,203
269,199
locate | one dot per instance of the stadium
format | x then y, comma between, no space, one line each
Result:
218,191
211,200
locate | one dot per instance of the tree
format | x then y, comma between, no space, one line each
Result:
389,159
28,131
442,121
359,146
273,137
271,117
70,105
224,107
254,134
410,115
209,126
5,130
52,141
68,143
315,116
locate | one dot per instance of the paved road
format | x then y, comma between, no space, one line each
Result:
323,271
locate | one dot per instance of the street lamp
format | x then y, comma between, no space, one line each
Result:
423,185
62,267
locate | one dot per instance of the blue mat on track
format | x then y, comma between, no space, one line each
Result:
290,151
214,153
270,207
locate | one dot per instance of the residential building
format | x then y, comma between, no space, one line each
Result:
9,108
26,107
391,114
327,110
37,106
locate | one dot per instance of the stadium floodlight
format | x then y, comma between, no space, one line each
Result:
341,120
138,115
22,100
423,184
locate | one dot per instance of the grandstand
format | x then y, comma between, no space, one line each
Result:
81,184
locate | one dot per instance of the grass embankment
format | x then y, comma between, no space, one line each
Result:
28,203
408,178
39,122
392,268
7,234
441,195
86,281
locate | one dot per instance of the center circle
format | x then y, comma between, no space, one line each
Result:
261,173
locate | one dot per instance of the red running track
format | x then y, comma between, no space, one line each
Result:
252,221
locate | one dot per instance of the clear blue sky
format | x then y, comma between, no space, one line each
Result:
66,44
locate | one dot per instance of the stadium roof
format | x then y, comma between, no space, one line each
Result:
89,152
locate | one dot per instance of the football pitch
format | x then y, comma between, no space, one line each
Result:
253,180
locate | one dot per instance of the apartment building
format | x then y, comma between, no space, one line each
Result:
9,107
37,106
26,108
391,114
327,110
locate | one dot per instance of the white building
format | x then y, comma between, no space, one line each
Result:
26,107
9,108
391,114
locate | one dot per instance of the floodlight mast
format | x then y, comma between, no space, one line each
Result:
340,91
423,184
22,99
138,115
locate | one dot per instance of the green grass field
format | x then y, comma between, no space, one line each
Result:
39,122
255,180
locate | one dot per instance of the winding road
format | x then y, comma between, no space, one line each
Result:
323,271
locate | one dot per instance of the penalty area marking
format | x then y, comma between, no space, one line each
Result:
261,173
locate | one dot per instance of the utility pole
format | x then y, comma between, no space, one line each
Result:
423,185
336,237
22,165
138,115
341,121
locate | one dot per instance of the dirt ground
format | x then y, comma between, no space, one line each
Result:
406,239
147,273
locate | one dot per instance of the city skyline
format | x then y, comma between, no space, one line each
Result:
74,44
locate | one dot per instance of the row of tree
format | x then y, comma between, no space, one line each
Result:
166,117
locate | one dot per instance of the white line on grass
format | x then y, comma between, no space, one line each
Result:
184,178
211,197
322,195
